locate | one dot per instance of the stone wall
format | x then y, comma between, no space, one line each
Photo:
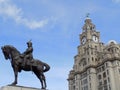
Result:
19,88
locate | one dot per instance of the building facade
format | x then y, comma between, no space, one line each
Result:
96,65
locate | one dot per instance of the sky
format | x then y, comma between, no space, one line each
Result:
54,27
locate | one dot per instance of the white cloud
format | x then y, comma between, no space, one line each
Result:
116,1
10,10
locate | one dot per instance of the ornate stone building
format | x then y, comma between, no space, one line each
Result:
96,66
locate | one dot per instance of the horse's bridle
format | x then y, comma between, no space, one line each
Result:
5,52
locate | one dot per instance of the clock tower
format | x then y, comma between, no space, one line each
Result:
89,44
86,59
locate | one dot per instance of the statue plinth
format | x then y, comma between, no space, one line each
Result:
19,88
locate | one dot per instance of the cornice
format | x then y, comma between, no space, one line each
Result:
99,64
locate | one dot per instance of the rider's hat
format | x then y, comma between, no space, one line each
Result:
29,43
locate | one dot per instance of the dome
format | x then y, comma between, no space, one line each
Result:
112,41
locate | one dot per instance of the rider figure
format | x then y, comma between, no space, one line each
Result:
28,53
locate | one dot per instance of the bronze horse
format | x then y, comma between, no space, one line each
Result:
37,67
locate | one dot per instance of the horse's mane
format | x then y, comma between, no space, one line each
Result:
12,47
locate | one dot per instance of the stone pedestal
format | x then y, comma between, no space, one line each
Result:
19,88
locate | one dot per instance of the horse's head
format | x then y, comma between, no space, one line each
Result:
9,51
6,52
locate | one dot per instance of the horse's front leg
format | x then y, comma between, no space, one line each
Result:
15,69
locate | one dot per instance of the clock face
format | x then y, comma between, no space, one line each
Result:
83,40
95,38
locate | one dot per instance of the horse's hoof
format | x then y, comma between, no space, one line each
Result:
43,88
12,84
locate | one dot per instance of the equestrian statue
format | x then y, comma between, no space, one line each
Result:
26,62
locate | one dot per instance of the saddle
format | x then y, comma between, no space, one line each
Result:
20,60
25,61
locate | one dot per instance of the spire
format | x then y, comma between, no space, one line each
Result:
87,16
88,23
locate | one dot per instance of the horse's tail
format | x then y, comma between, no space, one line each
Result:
47,67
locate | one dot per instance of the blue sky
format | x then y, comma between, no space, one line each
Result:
54,27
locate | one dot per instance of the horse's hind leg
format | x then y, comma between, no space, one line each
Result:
44,80
39,76
41,80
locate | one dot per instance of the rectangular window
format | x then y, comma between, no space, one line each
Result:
100,88
119,70
104,74
105,82
86,88
99,69
81,82
92,59
73,87
106,64
100,83
82,88
99,77
107,72
109,87
84,50
95,47
108,79
89,78
105,88
85,81
118,63
90,85
88,52
103,68
88,60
